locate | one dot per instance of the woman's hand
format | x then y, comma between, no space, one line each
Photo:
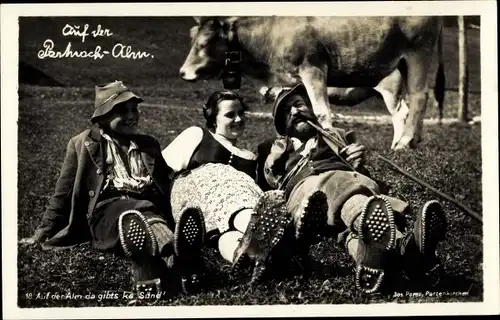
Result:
354,154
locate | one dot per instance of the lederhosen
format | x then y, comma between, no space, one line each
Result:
322,169
320,159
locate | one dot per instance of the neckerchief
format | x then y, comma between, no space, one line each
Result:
138,178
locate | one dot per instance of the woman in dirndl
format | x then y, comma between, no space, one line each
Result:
214,174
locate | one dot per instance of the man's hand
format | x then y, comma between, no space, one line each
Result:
34,239
307,116
279,147
28,241
354,154
274,165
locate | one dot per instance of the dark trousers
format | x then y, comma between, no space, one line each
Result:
104,224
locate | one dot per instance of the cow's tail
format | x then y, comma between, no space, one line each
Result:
439,87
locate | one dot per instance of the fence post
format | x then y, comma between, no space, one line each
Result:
463,72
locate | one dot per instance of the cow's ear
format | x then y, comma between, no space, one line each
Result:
197,19
230,20
193,31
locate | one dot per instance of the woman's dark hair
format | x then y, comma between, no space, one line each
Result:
210,108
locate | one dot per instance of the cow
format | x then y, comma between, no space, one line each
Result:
322,52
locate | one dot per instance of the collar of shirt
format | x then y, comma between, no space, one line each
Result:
242,153
109,157
310,144
132,146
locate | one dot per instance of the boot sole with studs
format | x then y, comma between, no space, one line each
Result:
136,237
189,237
312,217
266,229
378,234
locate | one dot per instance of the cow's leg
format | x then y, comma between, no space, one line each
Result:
416,87
391,90
314,80
349,96
399,111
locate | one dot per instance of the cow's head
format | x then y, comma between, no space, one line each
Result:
209,42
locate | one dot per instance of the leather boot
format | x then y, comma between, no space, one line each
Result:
189,237
139,244
265,230
418,247
309,222
375,241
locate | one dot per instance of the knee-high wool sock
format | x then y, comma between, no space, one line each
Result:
164,236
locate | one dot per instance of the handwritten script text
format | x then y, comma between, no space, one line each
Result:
119,50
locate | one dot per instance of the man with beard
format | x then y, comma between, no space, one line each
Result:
370,225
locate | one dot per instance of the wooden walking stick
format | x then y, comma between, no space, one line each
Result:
333,140
467,210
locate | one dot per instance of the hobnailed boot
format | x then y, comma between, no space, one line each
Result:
311,218
148,277
265,230
376,240
139,244
136,237
189,238
309,221
418,248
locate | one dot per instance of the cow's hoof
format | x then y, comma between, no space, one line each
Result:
404,143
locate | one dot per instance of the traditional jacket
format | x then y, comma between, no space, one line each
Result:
282,166
66,220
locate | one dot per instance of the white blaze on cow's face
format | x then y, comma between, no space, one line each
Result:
208,46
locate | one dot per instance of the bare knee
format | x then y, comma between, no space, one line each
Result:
242,219
228,242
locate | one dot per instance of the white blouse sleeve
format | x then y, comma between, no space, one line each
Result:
179,152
